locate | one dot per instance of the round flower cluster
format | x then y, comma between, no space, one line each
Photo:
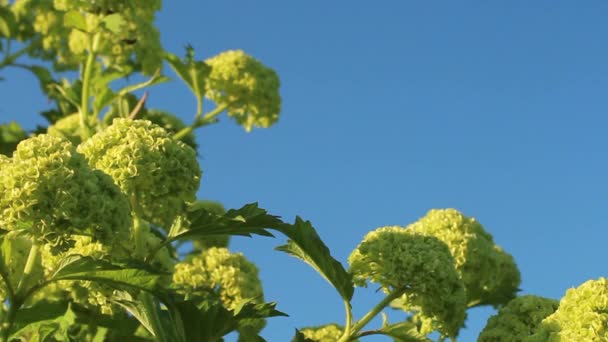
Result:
48,187
248,89
396,258
489,274
229,275
166,120
518,320
156,172
134,39
324,333
582,315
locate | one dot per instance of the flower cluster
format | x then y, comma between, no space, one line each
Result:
156,172
397,258
582,315
518,320
489,274
248,89
132,38
324,333
48,188
229,275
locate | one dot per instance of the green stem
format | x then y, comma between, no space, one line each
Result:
9,59
29,267
138,227
376,310
349,321
207,119
86,79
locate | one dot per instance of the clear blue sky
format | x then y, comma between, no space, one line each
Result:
495,108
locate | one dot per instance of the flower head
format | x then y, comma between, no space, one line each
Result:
48,187
248,89
582,315
156,172
518,320
397,258
489,274
218,271
324,333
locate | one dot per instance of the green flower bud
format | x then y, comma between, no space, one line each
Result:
324,333
48,187
489,274
248,89
229,275
517,320
395,258
582,315
156,172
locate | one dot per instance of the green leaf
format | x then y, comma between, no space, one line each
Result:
193,73
246,221
8,24
403,332
75,19
43,74
77,267
208,320
147,311
114,22
10,136
304,243
42,320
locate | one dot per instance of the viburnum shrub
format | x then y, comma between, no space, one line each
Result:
95,207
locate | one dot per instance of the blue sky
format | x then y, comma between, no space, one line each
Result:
495,108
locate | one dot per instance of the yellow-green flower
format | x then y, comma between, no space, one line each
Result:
518,320
489,274
324,333
47,187
582,315
229,275
248,89
158,174
397,258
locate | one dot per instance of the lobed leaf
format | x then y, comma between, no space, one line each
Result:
305,244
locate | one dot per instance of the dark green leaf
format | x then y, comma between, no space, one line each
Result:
75,19
77,267
10,135
304,243
245,221
147,311
42,320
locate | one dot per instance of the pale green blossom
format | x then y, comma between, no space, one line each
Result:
158,173
489,274
518,320
249,89
219,272
582,315
48,188
324,333
397,258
